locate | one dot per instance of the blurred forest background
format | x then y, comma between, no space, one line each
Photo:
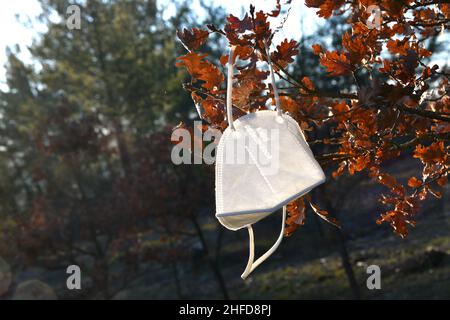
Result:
86,179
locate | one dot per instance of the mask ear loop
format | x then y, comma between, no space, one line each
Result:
275,90
272,78
251,266
229,102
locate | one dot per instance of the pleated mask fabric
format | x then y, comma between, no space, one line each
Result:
263,162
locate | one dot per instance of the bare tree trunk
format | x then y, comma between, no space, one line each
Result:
319,226
347,264
177,280
125,157
343,250
212,262
219,244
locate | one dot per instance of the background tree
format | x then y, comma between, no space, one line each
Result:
86,175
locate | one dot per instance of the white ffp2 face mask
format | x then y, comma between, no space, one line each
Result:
263,162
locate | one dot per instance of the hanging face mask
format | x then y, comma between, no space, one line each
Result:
263,162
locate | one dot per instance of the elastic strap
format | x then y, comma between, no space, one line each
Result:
253,265
230,89
272,78
229,104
